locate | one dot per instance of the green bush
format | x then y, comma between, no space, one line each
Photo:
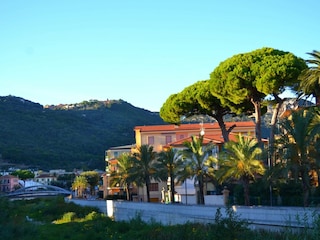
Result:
66,218
79,223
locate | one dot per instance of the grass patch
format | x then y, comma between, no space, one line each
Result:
61,220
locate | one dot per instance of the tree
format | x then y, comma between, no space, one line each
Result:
299,146
23,175
79,185
92,179
196,100
310,78
250,77
122,174
169,163
144,170
198,163
240,162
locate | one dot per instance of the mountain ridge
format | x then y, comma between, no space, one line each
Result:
67,135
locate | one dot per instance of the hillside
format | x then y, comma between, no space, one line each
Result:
66,136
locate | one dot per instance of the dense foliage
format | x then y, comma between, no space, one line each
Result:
252,76
310,79
66,136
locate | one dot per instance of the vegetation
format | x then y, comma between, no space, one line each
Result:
55,219
299,148
121,175
241,162
144,167
168,168
92,178
79,185
250,77
310,79
68,136
23,174
198,162
245,84
195,100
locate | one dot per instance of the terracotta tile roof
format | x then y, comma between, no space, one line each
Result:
207,138
191,126
8,176
45,175
113,161
181,142
286,114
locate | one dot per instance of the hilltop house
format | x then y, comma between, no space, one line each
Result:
164,136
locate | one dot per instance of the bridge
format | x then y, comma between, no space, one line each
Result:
37,192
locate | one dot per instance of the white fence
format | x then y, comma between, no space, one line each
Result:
171,214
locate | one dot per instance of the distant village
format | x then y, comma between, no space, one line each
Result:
11,181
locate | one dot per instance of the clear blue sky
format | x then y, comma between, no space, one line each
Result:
67,51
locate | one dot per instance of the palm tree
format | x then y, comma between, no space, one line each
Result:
198,162
241,162
301,133
92,179
310,79
122,174
79,184
169,163
144,166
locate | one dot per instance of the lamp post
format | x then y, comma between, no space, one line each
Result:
202,129
169,189
185,185
269,165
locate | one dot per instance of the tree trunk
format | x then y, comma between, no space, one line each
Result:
246,192
257,109
305,187
148,189
224,131
201,194
172,187
127,192
273,124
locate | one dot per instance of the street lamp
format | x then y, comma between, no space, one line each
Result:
201,129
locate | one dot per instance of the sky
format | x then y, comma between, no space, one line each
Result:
67,51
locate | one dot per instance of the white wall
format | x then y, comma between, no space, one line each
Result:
170,214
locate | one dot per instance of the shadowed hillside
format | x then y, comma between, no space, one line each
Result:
66,136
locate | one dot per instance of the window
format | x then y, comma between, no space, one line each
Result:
181,136
150,140
154,187
168,139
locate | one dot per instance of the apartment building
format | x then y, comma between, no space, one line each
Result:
111,156
161,136
9,183
164,136
45,178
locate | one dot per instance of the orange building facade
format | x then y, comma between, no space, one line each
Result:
163,136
